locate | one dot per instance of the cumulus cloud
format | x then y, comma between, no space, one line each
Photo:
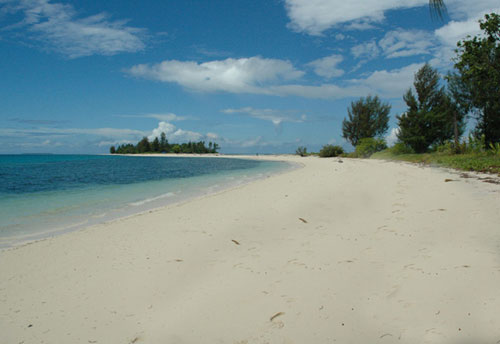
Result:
273,77
315,16
327,66
59,27
178,135
244,75
392,137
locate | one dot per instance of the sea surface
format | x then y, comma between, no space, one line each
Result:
45,195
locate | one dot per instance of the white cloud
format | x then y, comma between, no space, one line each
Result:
177,135
390,84
105,132
257,141
386,83
463,9
397,43
316,16
115,143
459,29
58,25
392,137
403,43
167,117
274,116
368,50
244,75
327,66
324,91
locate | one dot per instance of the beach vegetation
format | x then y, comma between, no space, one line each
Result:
477,77
302,151
329,151
432,117
487,161
367,118
367,146
161,145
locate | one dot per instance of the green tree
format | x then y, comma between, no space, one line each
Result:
215,148
143,146
176,148
112,150
478,77
302,151
429,118
155,145
163,142
368,117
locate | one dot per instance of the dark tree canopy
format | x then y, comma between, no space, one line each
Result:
430,116
161,145
478,77
367,117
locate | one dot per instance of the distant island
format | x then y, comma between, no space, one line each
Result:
162,145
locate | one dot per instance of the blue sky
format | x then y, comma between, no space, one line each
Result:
254,76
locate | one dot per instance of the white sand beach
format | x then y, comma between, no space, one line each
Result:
362,251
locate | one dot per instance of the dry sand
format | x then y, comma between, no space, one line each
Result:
356,252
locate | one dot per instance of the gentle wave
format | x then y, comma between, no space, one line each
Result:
152,199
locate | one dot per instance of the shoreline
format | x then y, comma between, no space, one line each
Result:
63,229
359,251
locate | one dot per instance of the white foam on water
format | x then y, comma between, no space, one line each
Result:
152,199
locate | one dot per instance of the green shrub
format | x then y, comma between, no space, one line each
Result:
446,148
302,151
330,151
368,146
400,148
475,144
495,148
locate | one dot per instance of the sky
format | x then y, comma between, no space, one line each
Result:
255,76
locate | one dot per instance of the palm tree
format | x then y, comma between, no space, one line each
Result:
438,8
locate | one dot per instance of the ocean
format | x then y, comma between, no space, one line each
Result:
46,195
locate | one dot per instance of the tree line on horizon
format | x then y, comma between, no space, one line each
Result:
161,145
436,113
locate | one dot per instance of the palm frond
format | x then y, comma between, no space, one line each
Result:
438,9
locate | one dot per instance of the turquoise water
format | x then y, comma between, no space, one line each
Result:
44,195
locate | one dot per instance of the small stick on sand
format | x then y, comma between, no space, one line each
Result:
276,315
237,243
301,219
